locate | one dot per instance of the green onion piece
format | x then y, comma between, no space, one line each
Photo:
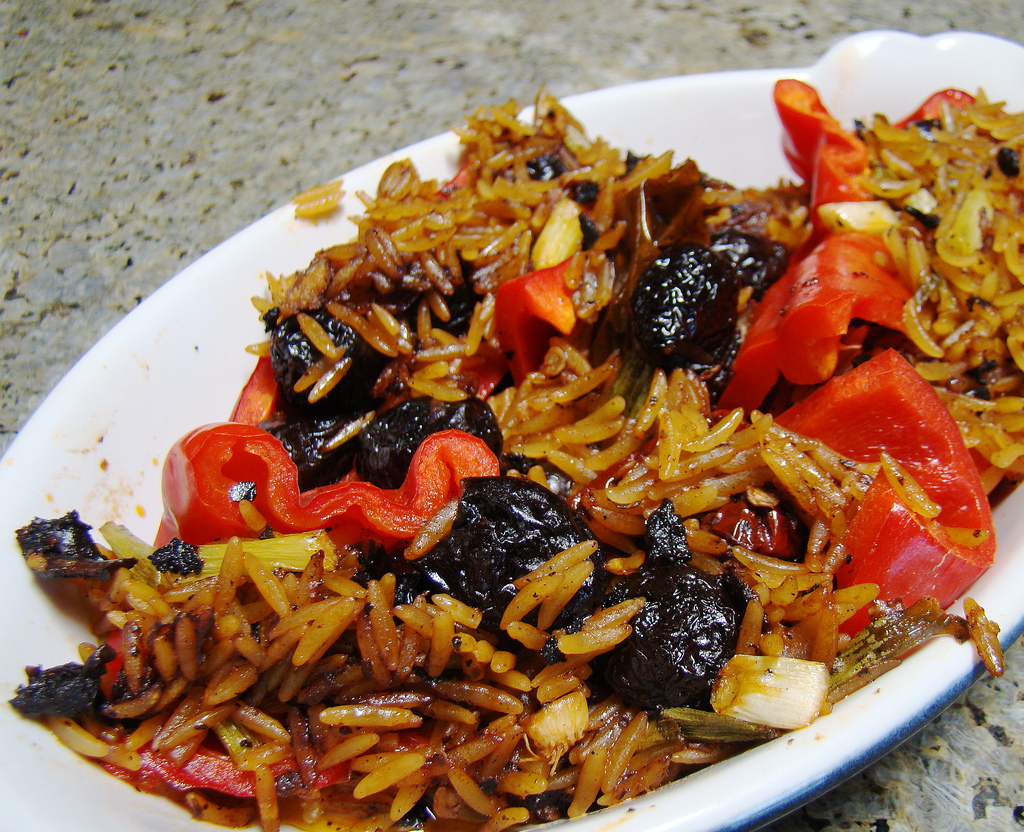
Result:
124,544
237,739
633,382
879,646
290,551
704,726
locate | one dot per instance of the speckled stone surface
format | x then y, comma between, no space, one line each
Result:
135,135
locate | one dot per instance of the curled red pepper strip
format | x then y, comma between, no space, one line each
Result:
258,398
934,106
528,311
208,770
798,327
820,151
204,465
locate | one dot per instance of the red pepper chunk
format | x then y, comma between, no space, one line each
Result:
798,327
258,398
208,770
885,405
528,311
933,107
820,151
204,465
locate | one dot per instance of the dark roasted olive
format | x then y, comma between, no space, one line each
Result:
681,637
684,307
758,261
305,438
67,690
504,528
387,444
292,354
545,168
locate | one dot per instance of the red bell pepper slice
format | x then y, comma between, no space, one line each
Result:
798,327
885,405
460,180
202,467
258,399
216,772
933,107
821,152
528,311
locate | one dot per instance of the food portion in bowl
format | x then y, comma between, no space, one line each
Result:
569,476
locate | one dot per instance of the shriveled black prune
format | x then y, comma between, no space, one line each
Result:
666,535
757,261
590,232
1008,161
387,444
305,439
506,527
375,562
545,168
292,354
927,220
586,191
461,304
63,548
681,637
66,690
684,308
558,481
178,557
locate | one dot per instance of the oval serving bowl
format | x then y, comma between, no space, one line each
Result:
97,443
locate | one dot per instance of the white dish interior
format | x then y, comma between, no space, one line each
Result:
177,361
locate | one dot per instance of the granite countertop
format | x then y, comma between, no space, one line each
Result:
136,135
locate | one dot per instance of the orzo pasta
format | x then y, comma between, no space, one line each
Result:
568,476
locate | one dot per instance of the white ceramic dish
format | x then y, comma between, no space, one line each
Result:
98,441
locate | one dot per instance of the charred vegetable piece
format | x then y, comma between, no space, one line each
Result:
681,638
307,441
387,444
62,548
757,261
684,308
895,632
504,528
292,355
66,690
178,557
